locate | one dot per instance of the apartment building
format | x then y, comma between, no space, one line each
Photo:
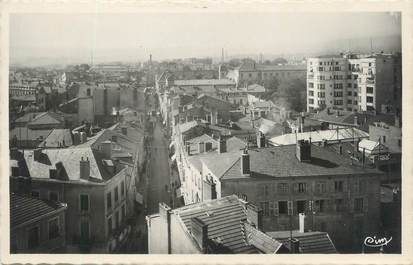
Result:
337,196
92,185
354,83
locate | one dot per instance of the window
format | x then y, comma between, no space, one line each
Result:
249,75
84,202
283,207
116,194
301,205
358,205
369,99
33,237
339,204
321,187
311,93
265,208
302,187
320,206
35,194
282,187
349,85
349,101
109,200
320,69
266,190
338,186
84,229
54,228
53,196
122,188
369,89
384,139
310,85
110,225
310,101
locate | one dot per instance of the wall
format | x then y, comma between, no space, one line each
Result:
85,110
393,135
19,236
340,225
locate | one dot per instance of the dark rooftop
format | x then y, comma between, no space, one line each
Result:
24,208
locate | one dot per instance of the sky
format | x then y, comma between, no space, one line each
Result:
181,35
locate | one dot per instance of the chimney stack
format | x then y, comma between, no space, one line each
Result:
303,150
83,137
222,145
254,216
124,131
260,140
76,138
84,168
165,215
301,217
199,231
107,149
245,163
356,122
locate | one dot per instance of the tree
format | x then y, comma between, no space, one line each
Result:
292,92
234,62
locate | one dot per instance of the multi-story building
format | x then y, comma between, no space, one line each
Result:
354,83
36,226
287,180
250,73
92,184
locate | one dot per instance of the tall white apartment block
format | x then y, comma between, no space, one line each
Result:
354,83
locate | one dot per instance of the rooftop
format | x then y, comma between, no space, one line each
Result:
225,218
24,209
204,82
309,242
343,134
281,161
57,138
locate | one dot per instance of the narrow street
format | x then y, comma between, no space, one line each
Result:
158,171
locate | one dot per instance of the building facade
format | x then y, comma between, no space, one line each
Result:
354,83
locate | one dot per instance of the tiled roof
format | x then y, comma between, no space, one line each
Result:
281,161
309,242
219,164
188,125
203,82
70,158
57,138
24,209
224,218
49,118
346,134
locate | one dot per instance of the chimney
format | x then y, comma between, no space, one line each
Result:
302,122
188,149
165,215
36,154
199,231
245,163
124,130
260,140
107,149
254,216
201,147
356,122
76,138
84,168
83,137
222,145
295,245
303,151
340,148
301,219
